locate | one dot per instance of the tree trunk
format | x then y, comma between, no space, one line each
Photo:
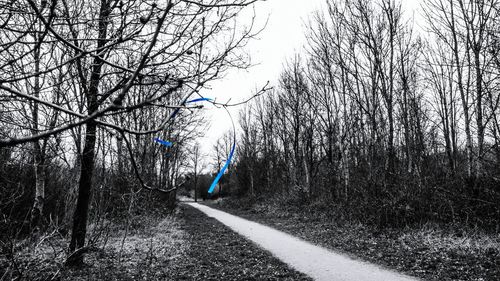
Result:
479,112
119,155
306,173
195,183
39,199
252,189
84,192
87,165
37,211
392,151
463,95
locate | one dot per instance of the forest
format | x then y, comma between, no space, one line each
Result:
384,118
85,86
381,120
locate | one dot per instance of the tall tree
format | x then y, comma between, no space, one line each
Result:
126,57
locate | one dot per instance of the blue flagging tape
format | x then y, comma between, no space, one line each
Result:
226,165
175,112
165,143
199,99
221,172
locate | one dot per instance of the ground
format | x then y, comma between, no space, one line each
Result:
187,245
430,252
180,245
218,253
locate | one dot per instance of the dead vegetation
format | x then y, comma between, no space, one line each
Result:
431,251
144,252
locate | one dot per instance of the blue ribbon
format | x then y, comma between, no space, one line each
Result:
226,165
165,143
177,110
175,113
199,99
221,172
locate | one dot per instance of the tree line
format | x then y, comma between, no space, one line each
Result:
85,86
383,120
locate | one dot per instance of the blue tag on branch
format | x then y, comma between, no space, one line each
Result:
226,165
221,172
165,143
200,99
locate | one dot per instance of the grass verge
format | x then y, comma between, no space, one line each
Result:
218,253
180,245
431,252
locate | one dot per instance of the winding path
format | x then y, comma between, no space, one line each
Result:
317,262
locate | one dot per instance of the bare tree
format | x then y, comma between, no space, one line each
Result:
126,57
378,116
463,27
196,165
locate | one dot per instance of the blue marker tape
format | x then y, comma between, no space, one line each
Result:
200,99
226,165
165,143
176,111
221,172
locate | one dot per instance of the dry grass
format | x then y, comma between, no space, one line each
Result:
139,253
436,239
136,255
433,252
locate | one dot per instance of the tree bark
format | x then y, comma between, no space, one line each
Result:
196,174
87,165
463,95
39,157
84,192
39,200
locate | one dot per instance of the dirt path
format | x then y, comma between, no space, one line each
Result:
314,261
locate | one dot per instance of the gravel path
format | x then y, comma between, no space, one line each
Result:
215,252
314,261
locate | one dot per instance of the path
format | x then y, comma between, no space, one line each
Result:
317,262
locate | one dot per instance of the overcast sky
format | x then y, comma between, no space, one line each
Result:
279,41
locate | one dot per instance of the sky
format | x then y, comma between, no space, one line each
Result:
282,38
